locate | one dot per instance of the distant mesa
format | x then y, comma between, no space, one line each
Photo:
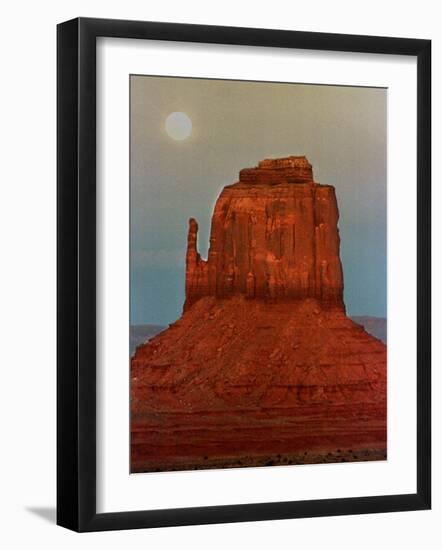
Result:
264,366
377,326
140,334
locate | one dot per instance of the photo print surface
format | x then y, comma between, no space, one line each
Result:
258,273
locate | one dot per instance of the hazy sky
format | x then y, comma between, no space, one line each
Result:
341,130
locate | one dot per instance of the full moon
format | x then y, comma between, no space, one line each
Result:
178,126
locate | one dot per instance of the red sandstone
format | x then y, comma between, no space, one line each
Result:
264,366
270,238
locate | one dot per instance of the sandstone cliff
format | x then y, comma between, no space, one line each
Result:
264,366
274,235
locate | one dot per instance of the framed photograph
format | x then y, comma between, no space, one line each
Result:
243,274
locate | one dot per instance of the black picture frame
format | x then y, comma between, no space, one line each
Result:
76,274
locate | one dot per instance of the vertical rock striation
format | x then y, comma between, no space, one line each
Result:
274,235
264,366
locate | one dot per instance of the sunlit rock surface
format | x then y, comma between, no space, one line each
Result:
264,367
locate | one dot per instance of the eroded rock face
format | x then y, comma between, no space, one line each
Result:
274,235
264,367
237,382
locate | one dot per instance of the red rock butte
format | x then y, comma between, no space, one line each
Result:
263,367
274,235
